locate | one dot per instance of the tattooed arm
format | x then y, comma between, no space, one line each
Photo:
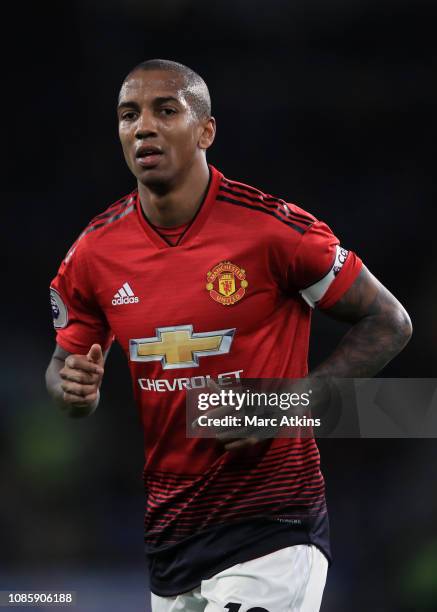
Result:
380,329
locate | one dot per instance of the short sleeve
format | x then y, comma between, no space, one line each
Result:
321,269
78,320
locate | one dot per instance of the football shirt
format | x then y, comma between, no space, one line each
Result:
232,299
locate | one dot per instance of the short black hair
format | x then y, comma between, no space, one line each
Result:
195,88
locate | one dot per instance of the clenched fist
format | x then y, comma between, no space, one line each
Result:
82,377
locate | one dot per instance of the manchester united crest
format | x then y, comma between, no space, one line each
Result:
226,283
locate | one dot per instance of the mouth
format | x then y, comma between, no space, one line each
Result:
148,156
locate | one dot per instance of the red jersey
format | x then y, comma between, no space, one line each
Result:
230,297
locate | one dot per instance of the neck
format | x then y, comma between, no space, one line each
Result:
179,203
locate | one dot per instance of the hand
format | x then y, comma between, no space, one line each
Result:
231,443
82,377
229,439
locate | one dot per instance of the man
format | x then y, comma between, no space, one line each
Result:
198,276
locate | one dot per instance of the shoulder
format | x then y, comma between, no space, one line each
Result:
271,211
104,224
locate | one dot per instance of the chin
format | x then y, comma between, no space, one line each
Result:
155,178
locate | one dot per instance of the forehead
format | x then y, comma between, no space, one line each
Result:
149,84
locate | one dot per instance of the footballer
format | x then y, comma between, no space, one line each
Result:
197,275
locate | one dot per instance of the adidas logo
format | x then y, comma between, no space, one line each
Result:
125,295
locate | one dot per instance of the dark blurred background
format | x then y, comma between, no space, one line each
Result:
327,104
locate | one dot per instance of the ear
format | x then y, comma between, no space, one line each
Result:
207,134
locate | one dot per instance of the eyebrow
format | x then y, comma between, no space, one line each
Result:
158,100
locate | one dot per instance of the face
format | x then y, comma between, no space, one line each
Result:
160,134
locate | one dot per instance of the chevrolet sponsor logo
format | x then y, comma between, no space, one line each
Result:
180,347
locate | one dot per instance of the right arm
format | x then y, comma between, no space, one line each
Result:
73,381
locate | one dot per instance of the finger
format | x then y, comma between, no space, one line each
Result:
221,411
79,376
215,386
211,384
232,434
80,362
75,400
77,389
91,397
238,444
95,354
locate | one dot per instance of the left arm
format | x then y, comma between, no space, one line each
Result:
380,329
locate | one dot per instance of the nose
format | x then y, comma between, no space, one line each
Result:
146,126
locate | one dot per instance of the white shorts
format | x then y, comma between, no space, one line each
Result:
289,580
